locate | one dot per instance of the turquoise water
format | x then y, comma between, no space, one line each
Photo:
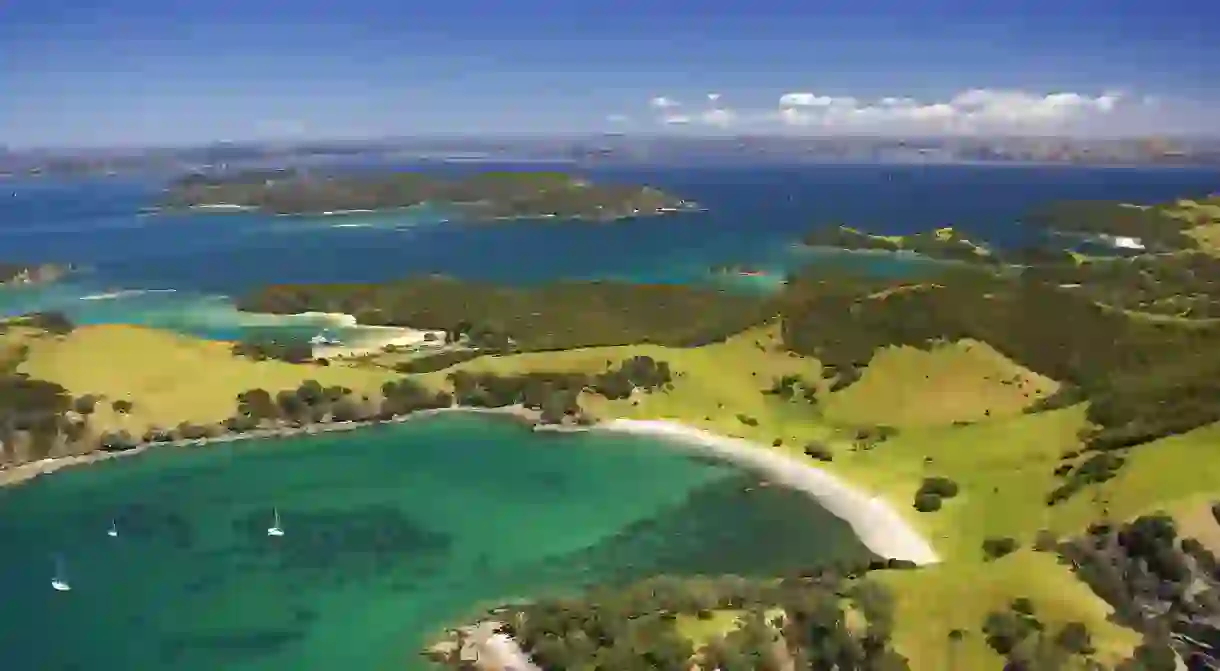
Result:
390,532
394,532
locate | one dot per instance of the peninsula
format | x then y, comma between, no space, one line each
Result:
482,196
1031,458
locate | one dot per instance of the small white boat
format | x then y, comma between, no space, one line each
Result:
113,531
275,529
325,338
60,582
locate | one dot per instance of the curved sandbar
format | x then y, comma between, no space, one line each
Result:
874,521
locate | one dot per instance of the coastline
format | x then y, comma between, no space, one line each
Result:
875,522
15,475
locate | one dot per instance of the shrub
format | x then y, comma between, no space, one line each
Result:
819,451
942,487
1074,637
994,548
926,502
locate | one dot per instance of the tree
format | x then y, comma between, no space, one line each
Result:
1075,638
85,405
926,502
258,404
994,548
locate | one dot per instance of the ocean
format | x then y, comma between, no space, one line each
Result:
394,532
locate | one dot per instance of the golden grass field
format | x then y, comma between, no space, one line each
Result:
169,378
1002,462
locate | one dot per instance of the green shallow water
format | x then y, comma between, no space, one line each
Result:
391,533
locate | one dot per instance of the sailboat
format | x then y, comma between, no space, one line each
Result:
275,529
113,532
60,582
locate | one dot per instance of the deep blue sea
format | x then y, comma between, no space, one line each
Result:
394,532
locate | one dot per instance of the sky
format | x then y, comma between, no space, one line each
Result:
172,72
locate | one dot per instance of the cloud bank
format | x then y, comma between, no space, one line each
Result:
977,110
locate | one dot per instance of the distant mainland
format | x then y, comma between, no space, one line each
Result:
482,196
1031,446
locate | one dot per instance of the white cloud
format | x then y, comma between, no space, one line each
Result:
713,97
661,103
974,109
618,119
676,119
718,116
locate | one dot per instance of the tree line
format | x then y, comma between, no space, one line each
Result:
563,315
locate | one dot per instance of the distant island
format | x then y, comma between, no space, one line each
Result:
32,273
483,196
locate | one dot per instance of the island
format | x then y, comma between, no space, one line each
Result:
481,196
1031,460
32,273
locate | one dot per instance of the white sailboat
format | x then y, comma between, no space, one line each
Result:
60,582
113,531
275,529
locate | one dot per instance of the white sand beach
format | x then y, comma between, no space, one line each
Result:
878,525
374,339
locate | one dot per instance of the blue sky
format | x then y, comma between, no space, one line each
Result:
169,71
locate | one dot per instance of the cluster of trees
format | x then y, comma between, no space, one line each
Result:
932,492
564,315
312,403
1158,231
1163,585
945,243
555,395
797,623
485,195
1179,285
33,418
262,349
1028,645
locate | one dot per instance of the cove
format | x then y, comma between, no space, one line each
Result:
392,532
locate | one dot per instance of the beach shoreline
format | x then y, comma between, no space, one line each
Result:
875,521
